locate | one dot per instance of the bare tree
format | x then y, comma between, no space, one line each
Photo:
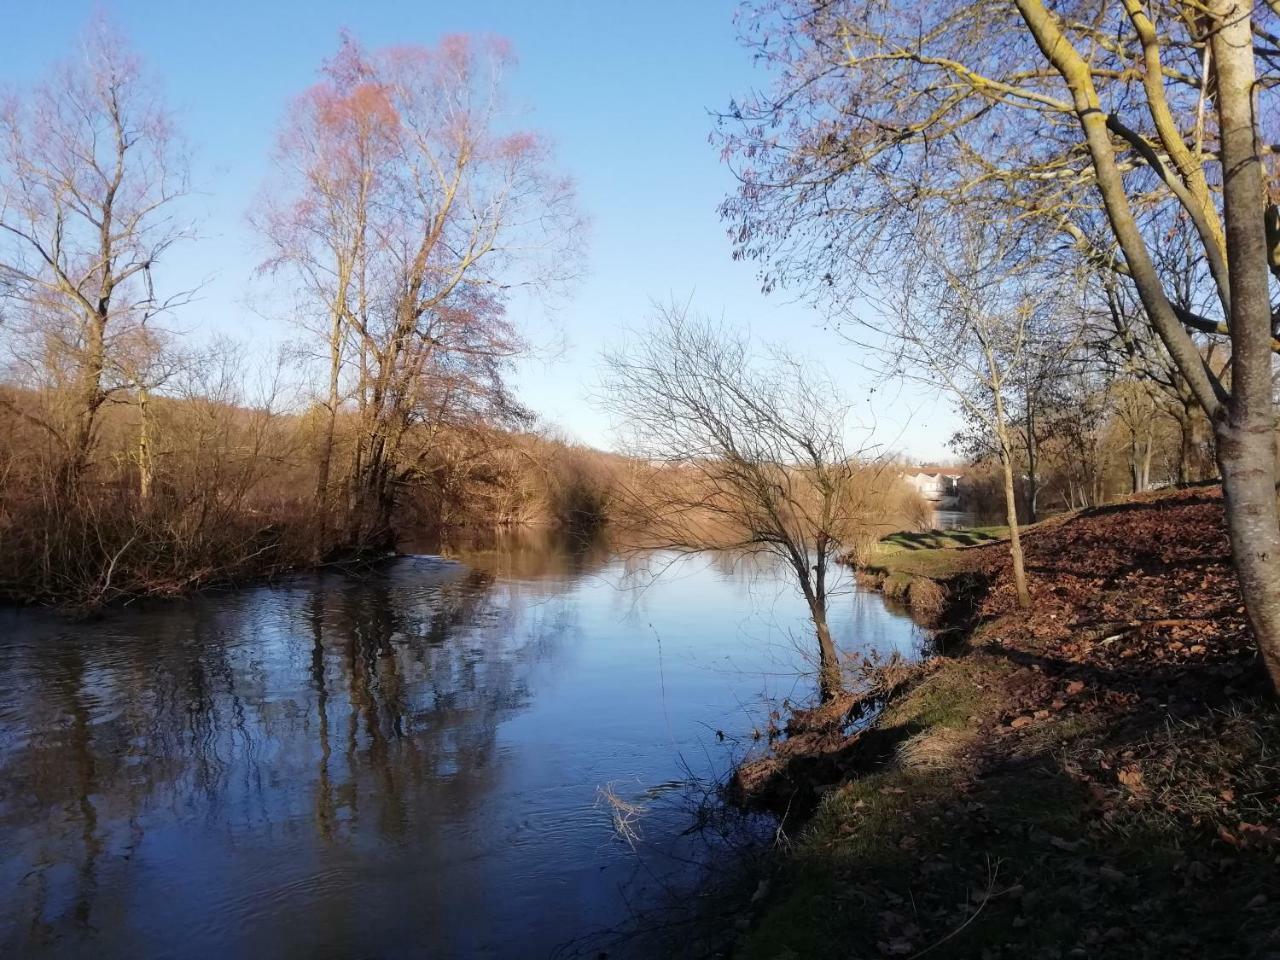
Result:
146,362
1033,404
411,211
1129,350
334,157
744,453
1069,127
90,174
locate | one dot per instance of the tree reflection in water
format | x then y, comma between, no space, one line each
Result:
398,764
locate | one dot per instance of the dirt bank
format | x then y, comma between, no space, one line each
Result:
1097,778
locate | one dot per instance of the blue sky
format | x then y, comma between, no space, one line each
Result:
624,90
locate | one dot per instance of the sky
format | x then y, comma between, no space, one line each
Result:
625,91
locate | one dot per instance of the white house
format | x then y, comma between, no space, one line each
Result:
934,486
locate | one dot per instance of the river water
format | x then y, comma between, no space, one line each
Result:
403,764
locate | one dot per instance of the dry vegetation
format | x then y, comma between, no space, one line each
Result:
231,497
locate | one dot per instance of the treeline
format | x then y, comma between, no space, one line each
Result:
1087,437
404,212
1094,406
227,493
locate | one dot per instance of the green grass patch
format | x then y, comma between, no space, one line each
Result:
934,564
935,554
948,699
943,539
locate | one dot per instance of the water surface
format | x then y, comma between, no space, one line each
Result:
404,764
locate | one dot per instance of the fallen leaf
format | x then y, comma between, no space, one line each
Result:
1131,777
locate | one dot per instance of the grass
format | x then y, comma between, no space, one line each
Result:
912,569
936,555
934,539
949,699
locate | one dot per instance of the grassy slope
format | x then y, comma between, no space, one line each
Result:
907,541
1100,778
901,560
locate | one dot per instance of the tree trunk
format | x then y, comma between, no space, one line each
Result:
322,485
1033,478
326,449
1010,500
1015,540
1148,448
1244,427
88,400
830,683
146,474
1184,445
373,495
1247,461
1133,462
354,479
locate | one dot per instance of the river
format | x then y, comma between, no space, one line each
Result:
407,763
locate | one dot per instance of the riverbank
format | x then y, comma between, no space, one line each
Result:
84,563
923,571
1099,777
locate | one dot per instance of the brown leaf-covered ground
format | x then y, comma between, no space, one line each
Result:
1099,777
